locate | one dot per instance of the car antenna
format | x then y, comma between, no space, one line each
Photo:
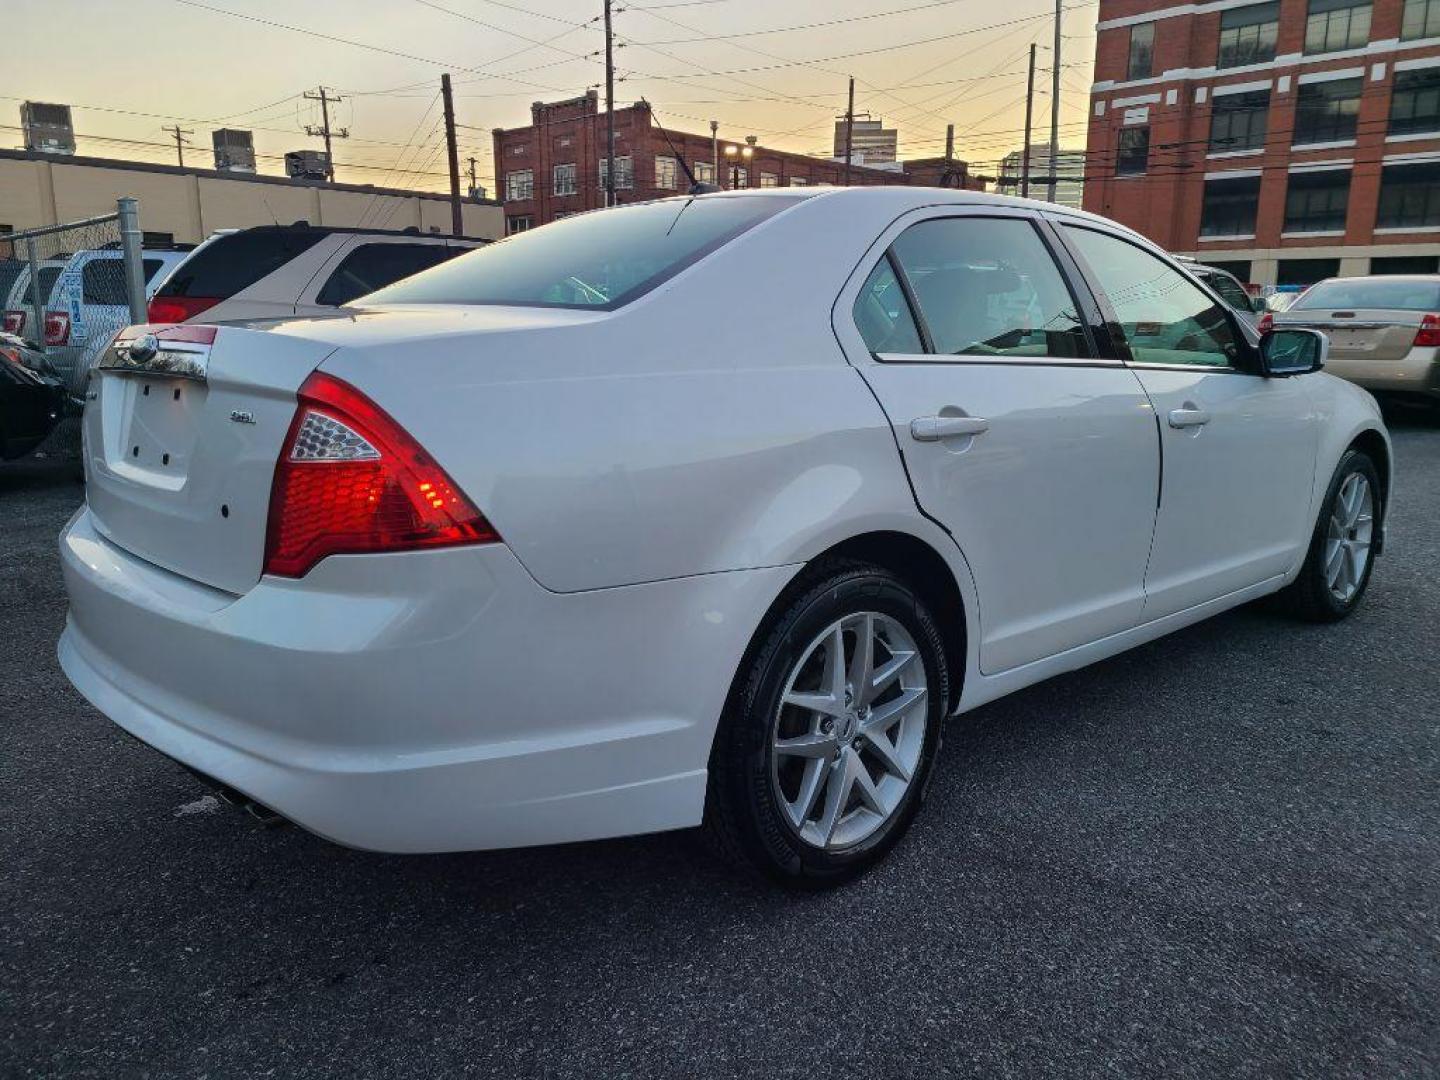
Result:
696,188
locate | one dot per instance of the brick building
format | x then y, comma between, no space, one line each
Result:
555,166
1288,140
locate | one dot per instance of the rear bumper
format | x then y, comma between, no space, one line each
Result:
1418,372
430,701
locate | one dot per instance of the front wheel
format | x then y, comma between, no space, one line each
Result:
821,761
1342,548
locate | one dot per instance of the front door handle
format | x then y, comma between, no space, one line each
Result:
1183,418
934,428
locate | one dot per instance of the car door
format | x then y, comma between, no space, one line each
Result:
1038,456
1238,449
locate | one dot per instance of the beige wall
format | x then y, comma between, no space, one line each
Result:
34,193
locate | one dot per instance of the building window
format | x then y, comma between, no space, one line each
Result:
799,181
1421,20
1327,111
517,223
1409,196
519,185
1315,201
769,179
1229,207
564,179
1247,35
1140,63
704,172
1306,271
1337,24
1237,121
1415,104
518,150
1132,155
624,172
667,173
1239,268
1405,264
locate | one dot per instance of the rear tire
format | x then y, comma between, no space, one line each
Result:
811,794
1337,566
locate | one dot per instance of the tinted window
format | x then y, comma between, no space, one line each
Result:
597,260
1351,293
1248,34
883,316
10,271
373,266
102,281
1229,289
988,287
48,276
235,262
1164,317
1327,111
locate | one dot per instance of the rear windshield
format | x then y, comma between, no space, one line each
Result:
10,271
231,263
1393,294
103,280
599,260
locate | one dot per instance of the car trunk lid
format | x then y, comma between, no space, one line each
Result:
183,427
1362,334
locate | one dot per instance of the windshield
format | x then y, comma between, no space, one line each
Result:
1395,294
598,260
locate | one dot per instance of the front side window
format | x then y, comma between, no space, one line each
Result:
1409,196
1421,19
1237,121
519,185
667,173
1141,61
564,180
1164,317
1316,201
989,287
1415,102
1248,35
883,315
1132,155
597,260
1337,24
1229,206
373,266
1327,111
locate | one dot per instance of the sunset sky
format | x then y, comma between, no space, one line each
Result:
774,70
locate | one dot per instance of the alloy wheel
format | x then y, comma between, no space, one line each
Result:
849,731
1348,537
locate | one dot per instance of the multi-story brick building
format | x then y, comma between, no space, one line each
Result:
1288,140
556,165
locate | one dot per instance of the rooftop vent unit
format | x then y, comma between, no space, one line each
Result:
234,150
47,128
307,164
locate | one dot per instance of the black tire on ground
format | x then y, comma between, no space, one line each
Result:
744,822
1309,596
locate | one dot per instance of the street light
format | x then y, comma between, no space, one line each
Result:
736,154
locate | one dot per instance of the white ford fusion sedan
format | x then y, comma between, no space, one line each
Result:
709,510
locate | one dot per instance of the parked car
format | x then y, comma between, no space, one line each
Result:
1384,331
275,270
1228,286
19,301
32,400
623,525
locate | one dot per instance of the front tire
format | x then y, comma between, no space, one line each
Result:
821,760
1342,548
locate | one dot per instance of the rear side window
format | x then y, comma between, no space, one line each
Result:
989,287
1229,290
235,262
1392,294
48,276
373,266
598,260
883,316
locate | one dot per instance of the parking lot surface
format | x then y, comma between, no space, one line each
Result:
1218,854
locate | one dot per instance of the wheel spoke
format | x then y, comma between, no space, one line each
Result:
837,793
821,703
835,670
811,785
866,789
862,664
816,745
1334,562
883,717
887,753
890,671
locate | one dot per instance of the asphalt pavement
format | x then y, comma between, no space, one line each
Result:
1216,855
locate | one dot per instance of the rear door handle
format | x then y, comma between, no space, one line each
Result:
1183,418
934,428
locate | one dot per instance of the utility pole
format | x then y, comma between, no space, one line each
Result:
849,130
609,110
1029,112
715,151
1055,103
457,222
949,142
180,140
324,131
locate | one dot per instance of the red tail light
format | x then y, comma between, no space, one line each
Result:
351,480
173,309
1266,323
57,328
14,322
1428,336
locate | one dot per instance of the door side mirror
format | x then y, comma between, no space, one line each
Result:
1286,351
